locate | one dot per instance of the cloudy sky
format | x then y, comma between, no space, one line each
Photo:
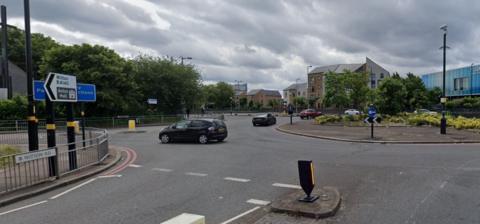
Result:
267,43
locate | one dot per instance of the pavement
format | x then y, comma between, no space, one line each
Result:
379,183
382,134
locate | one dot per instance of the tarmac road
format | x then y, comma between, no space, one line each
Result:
379,183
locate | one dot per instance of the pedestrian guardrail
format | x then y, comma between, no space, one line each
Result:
29,168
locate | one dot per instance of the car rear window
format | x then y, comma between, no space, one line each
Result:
219,123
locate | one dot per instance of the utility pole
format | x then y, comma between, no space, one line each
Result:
443,121
6,81
31,118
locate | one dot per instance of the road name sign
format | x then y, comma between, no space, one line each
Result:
85,92
152,101
61,88
34,155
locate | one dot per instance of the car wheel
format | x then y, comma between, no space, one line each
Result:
203,139
164,138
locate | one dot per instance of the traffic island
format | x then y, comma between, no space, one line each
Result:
325,206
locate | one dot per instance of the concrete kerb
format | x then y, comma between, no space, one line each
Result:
61,183
372,141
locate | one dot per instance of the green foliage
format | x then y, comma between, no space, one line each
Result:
15,108
251,105
357,88
327,119
467,103
416,92
335,91
300,102
117,92
220,95
243,102
391,96
274,103
175,86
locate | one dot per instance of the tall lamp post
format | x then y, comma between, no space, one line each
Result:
443,121
184,58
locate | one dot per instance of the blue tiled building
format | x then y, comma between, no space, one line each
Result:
458,82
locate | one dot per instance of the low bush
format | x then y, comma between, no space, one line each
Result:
7,150
327,119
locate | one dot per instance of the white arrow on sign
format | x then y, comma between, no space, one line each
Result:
374,120
61,88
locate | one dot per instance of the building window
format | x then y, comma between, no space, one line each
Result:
381,75
313,89
373,84
460,84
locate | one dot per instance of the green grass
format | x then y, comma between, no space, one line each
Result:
7,150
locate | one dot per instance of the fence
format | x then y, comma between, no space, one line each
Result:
26,169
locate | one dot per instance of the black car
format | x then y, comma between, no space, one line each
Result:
200,130
264,119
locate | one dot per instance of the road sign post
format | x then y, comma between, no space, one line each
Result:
290,112
51,141
72,153
307,180
372,118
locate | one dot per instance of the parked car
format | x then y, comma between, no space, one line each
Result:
425,111
264,119
309,113
199,130
352,112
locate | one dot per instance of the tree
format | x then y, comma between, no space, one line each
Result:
433,96
416,92
176,87
357,88
243,102
274,104
312,101
300,102
335,91
391,96
220,95
251,105
117,92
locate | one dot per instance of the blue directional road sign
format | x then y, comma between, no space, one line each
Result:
85,92
372,112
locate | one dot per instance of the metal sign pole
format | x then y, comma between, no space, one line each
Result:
371,131
82,113
72,154
32,119
51,141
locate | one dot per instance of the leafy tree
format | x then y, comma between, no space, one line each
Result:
251,104
257,105
15,108
433,96
243,102
274,104
220,94
300,102
175,86
117,92
391,96
416,92
312,101
357,88
335,91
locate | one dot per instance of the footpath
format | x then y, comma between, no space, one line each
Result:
114,156
382,134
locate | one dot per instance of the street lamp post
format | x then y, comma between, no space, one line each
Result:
184,58
443,122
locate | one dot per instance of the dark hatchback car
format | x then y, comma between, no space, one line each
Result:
264,119
200,130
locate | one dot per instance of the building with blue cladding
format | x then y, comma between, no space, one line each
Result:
458,82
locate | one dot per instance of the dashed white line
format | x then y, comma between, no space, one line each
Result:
241,215
237,179
196,174
110,176
24,207
135,165
287,185
162,170
73,188
258,202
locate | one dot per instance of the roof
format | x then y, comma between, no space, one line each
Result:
265,92
338,68
296,86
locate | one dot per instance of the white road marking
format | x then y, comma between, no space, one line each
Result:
241,215
443,184
186,218
24,207
237,179
287,185
162,170
73,188
110,176
258,202
135,165
196,174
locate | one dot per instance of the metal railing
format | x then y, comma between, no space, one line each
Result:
24,169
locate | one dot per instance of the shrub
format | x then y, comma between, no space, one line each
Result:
327,119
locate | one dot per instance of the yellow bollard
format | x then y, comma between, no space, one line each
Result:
77,127
131,125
